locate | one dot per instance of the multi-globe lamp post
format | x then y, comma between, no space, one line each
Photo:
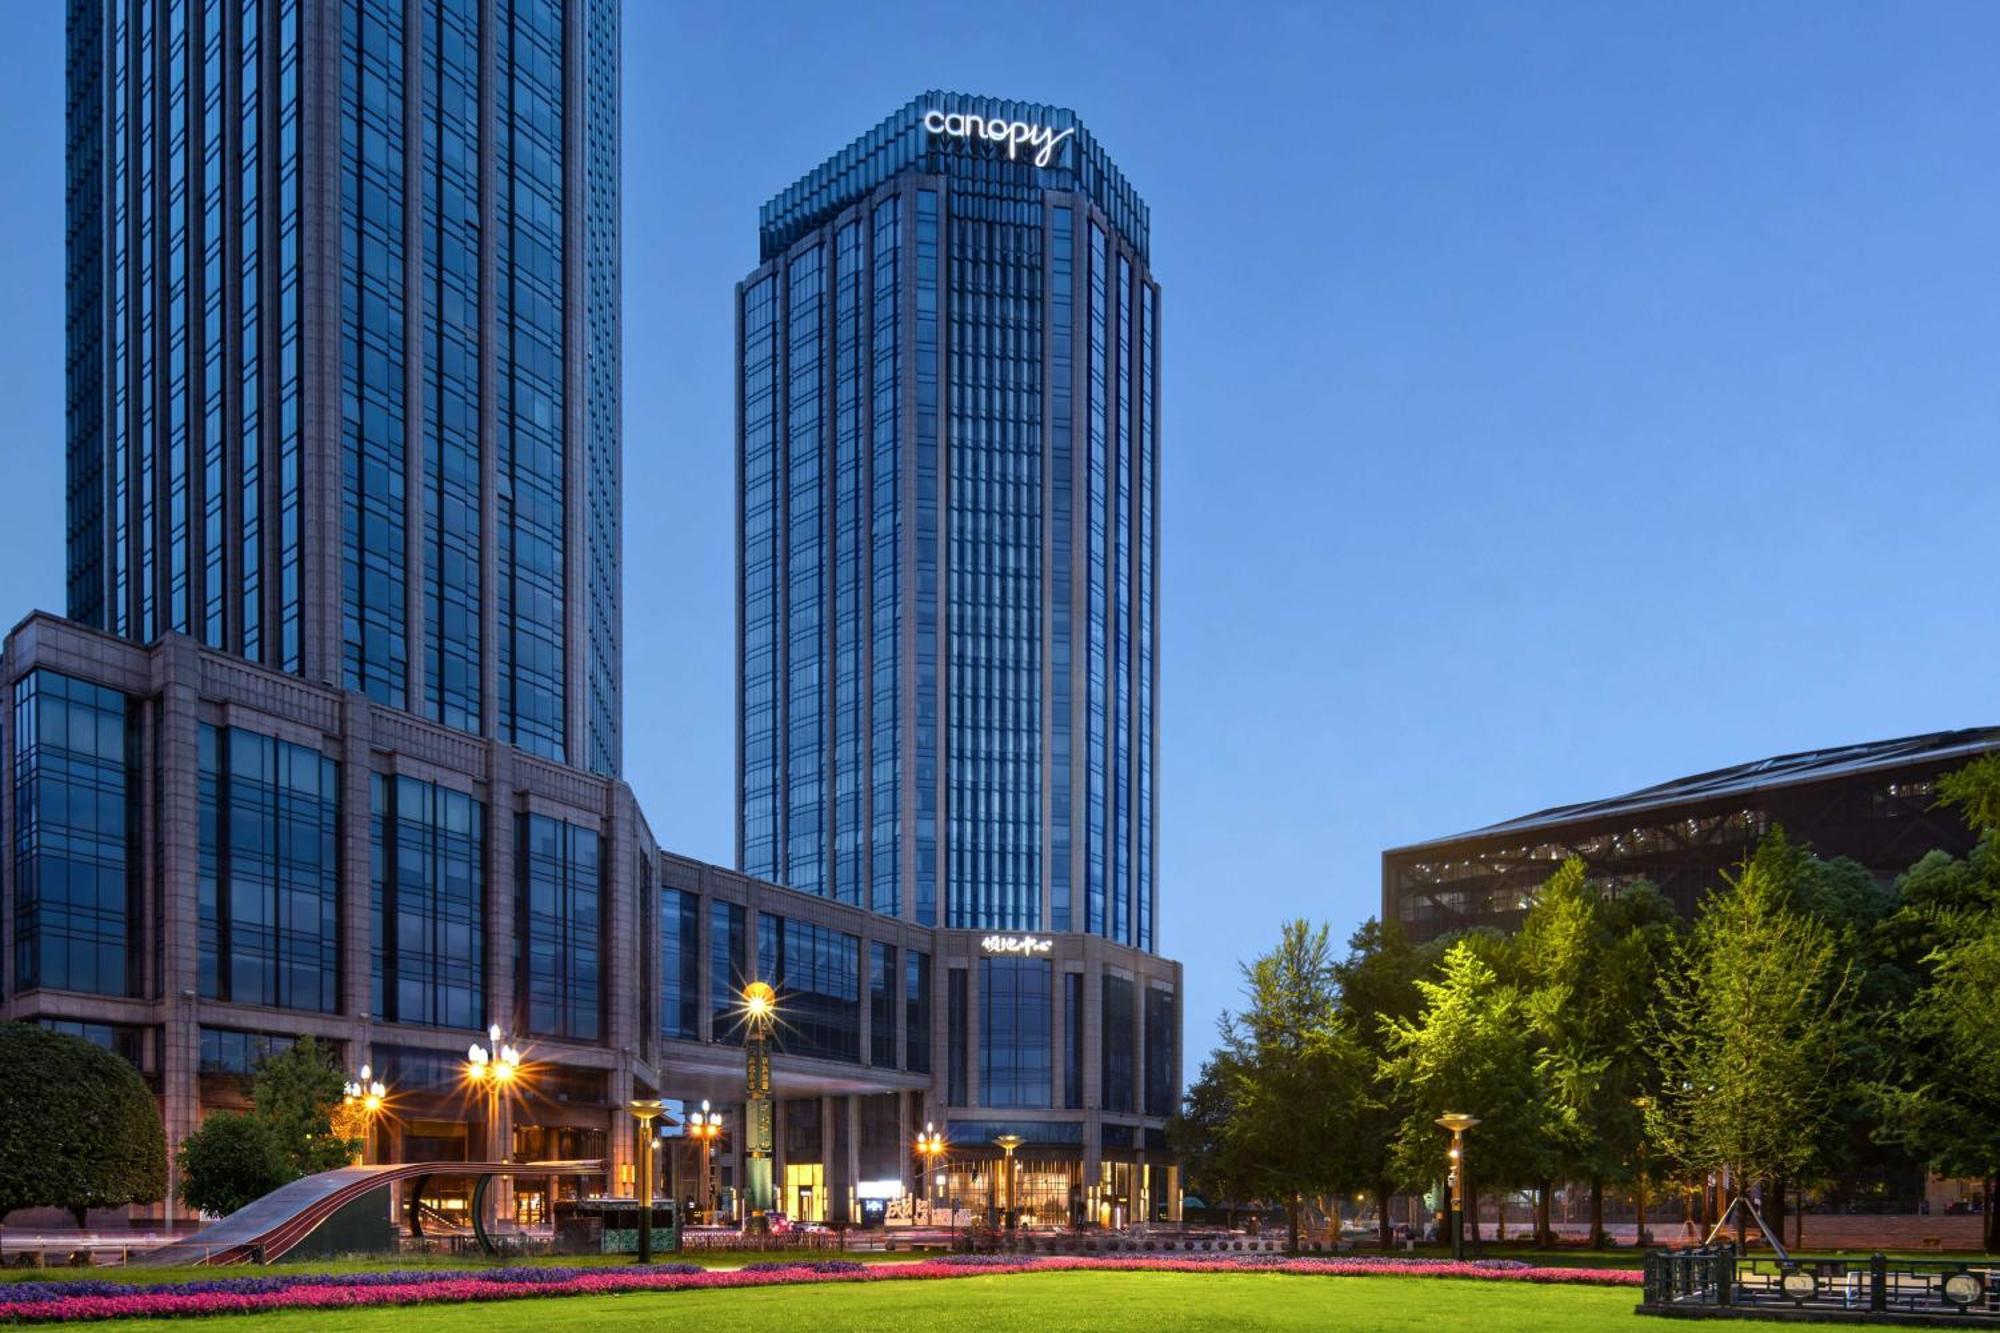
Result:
705,1127
363,1097
1457,1122
494,1069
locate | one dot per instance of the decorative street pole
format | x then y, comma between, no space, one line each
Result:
760,1014
363,1098
1457,1122
705,1127
493,1069
1007,1144
645,1111
930,1147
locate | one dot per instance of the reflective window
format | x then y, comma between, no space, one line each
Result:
374,644
560,946
817,974
1120,1061
1073,1040
232,1051
805,575
758,615
917,1012
268,872
994,796
680,964
429,885
728,970
883,983
1016,1031
1162,1043
74,910
956,1034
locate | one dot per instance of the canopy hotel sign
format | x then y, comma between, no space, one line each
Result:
1014,134
1031,945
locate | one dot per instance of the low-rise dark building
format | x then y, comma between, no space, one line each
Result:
1875,803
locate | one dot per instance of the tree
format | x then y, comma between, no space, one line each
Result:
1751,1030
1377,981
1955,1020
81,1129
231,1160
1199,1135
1469,1050
1301,1078
1589,968
1944,1102
295,1092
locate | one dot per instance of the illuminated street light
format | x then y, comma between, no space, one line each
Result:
1007,1143
1457,1122
645,1111
705,1127
363,1097
931,1146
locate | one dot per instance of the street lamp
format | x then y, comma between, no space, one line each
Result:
363,1098
1643,1105
1457,1122
493,1069
705,1127
645,1111
1007,1143
930,1146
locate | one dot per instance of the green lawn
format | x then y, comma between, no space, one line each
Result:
1042,1302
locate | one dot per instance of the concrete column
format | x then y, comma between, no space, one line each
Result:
176,753
827,1139
356,909
853,1156
501,810
621,1134
906,1134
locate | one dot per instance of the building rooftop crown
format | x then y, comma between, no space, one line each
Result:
959,134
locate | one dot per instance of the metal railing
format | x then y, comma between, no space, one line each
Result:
1716,1277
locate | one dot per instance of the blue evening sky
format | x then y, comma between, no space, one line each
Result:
1559,397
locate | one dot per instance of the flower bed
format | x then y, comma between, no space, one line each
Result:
65,1302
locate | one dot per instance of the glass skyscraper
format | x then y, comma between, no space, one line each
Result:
949,513
343,348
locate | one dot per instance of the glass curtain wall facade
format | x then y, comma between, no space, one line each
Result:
268,882
948,403
410,488
75,897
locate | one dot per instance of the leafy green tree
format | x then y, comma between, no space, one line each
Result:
1955,1019
1974,791
1468,1050
1589,968
1944,1103
1377,982
231,1160
1199,1135
1753,1029
295,1092
1301,1077
80,1130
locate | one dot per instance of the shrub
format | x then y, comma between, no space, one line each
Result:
231,1160
81,1130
